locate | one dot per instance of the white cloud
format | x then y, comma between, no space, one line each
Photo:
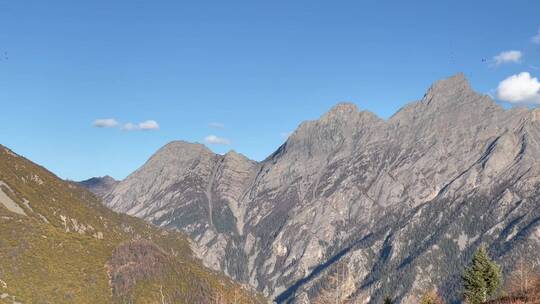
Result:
129,126
113,123
508,57
105,123
536,38
520,88
212,139
149,125
216,125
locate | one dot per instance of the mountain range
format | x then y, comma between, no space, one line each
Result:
355,206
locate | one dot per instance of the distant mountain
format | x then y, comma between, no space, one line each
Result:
100,186
354,205
59,244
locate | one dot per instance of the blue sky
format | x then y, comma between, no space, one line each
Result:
254,69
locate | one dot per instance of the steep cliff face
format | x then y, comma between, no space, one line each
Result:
387,207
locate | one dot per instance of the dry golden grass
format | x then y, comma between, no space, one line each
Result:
59,251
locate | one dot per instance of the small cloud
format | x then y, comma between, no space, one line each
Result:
129,126
508,57
536,38
105,123
148,125
520,88
216,125
215,140
113,123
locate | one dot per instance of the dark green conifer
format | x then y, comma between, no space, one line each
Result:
481,279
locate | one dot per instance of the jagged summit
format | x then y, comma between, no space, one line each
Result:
455,82
341,109
346,111
449,102
442,90
182,145
453,94
235,155
453,89
180,151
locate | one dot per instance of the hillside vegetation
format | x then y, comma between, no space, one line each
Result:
58,244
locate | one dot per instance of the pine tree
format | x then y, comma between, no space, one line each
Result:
493,278
474,285
387,300
482,279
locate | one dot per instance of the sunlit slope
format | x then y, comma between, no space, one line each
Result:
58,244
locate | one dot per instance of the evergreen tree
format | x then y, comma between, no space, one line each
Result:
387,300
493,278
474,285
482,279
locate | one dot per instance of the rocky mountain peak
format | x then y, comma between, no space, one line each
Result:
341,111
452,84
237,160
447,102
100,186
183,146
179,152
450,89
343,117
108,178
232,154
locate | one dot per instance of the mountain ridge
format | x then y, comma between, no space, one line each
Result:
350,189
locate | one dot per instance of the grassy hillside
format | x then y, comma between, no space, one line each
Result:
58,244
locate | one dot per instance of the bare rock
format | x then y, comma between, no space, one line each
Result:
394,201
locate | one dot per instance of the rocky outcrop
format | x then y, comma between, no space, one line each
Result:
390,207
